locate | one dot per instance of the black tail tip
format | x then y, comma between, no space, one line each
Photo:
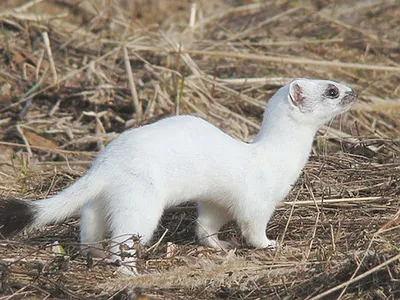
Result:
15,215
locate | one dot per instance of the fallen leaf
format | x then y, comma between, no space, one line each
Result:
39,141
56,248
17,57
5,153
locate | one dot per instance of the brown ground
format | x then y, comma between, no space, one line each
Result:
341,239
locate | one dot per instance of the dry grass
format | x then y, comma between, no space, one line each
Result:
74,75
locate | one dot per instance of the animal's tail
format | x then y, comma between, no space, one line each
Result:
16,215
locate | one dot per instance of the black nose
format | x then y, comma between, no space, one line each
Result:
349,97
352,93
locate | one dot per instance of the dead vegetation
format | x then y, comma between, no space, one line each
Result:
75,73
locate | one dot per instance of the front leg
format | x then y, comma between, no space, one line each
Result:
253,224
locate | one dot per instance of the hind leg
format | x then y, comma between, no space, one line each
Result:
93,230
211,219
131,217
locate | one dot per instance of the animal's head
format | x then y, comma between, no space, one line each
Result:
318,101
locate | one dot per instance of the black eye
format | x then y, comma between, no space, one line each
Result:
332,91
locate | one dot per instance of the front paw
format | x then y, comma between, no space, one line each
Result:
127,270
271,244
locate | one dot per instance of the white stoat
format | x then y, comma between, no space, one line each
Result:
185,158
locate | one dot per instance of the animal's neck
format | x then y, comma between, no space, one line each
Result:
283,133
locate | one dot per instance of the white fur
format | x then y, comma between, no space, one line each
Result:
185,158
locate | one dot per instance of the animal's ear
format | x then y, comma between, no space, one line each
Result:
296,93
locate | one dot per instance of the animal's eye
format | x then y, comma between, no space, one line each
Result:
332,91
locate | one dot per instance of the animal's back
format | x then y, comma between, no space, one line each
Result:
185,157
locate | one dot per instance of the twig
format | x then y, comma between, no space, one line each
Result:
292,60
333,239
99,127
391,222
290,216
132,85
192,15
310,191
155,246
48,149
60,163
290,203
291,42
50,55
274,59
27,5
330,201
277,81
27,146
53,179
25,110
15,294
54,108
357,278
38,64
5,121
32,17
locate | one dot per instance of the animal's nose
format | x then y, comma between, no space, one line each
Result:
352,93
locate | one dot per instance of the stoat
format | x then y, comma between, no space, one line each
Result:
184,158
